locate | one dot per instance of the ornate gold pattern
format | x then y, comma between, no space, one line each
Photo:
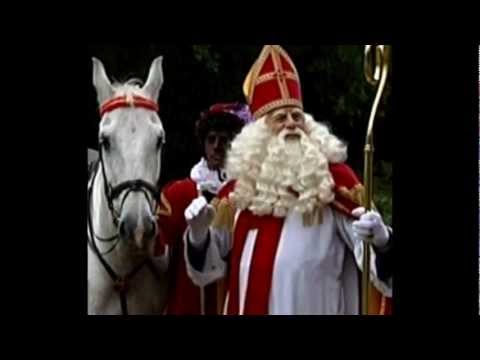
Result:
356,194
276,104
225,214
279,74
271,76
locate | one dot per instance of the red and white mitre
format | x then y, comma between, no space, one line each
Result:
272,82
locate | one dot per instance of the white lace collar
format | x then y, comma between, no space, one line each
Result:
210,180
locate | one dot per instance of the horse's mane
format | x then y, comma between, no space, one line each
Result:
132,85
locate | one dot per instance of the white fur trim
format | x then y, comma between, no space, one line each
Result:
384,288
214,267
207,179
245,263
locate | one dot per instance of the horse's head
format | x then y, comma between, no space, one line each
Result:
131,137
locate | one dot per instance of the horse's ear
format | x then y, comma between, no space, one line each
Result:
101,82
155,79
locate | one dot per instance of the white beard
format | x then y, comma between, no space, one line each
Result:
267,167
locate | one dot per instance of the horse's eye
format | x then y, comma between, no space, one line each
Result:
105,143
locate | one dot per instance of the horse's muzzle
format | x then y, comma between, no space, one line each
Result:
142,235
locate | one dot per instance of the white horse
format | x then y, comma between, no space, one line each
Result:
124,276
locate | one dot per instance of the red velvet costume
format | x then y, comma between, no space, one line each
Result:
184,296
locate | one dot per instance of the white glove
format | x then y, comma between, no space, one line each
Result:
370,228
199,214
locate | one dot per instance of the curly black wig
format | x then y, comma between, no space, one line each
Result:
221,122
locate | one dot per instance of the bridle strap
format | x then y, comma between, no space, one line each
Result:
144,192
107,188
138,185
122,286
128,101
130,185
91,240
134,185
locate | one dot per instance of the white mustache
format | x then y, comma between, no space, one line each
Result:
286,132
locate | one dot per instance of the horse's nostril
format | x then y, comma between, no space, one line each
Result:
150,229
122,231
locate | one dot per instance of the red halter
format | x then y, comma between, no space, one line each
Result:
124,101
